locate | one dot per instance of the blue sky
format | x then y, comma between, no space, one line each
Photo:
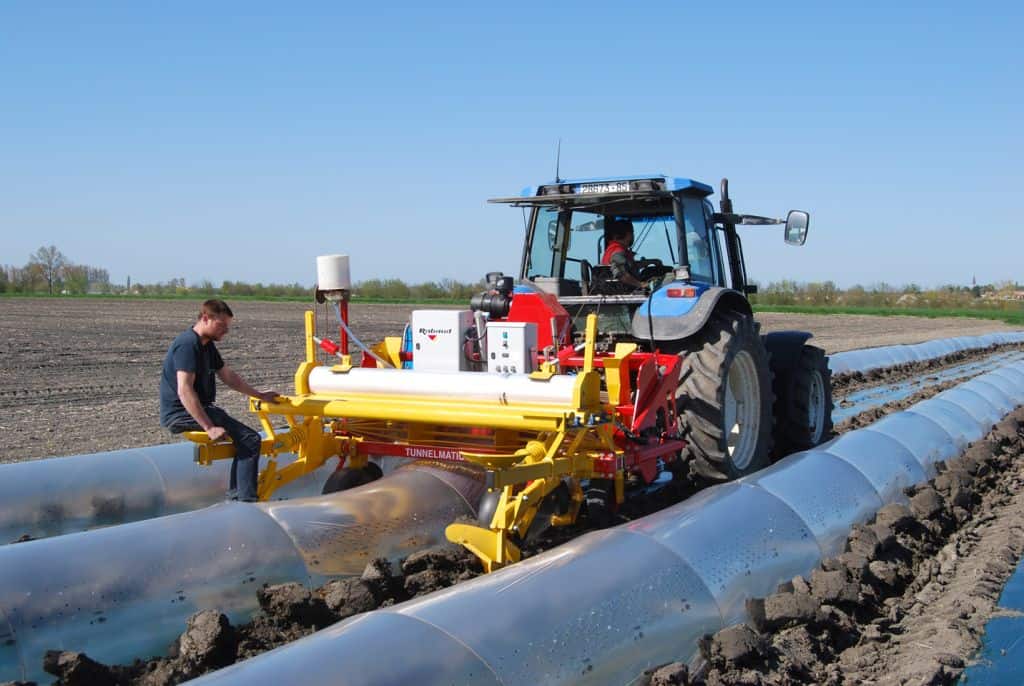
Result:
240,140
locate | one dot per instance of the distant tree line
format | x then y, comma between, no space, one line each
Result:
1003,295
48,270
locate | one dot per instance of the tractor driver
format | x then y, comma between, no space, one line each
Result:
188,390
618,253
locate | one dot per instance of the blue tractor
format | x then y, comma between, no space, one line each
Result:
743,398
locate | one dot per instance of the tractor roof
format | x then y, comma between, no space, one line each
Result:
610,192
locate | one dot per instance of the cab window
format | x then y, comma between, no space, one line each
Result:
699,242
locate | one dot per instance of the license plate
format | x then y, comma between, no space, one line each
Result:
611,187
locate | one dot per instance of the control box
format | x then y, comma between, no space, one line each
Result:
438,340
511,347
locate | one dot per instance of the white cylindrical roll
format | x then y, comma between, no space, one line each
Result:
478,386
332,273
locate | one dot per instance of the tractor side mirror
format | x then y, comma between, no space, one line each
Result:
552,233
797,223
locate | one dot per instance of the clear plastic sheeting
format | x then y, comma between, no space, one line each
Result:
610,604
876,395
958,423
1014,374
62,495
841,494
927,441
992,393
381,648
405,512
735,554
1013,388
585,625
884,461
974,404
125,592
867,359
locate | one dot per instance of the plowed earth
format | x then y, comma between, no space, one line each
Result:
80,375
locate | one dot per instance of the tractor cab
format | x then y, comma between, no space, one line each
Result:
675,244
568,233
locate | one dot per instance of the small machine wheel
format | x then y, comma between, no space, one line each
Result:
724,400
485,510
599,499
804,406
345,478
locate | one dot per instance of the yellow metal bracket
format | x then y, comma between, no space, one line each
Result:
344,366
494,551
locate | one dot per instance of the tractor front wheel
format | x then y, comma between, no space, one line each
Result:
724,400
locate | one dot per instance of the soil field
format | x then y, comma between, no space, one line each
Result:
80,375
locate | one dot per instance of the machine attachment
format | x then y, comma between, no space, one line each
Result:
551,415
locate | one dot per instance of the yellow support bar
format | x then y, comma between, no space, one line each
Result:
616,373
397,408
302,373
589,341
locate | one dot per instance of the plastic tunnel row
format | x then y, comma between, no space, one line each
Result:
867,359
605,606
63,495
125,592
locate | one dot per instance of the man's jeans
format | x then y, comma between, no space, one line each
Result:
245,467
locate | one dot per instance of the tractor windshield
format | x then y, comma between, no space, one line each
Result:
551,255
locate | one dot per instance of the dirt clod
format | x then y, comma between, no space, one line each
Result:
734,646
928,582
293,603
347,597
834,587
77,669
209,641
673,674
926,504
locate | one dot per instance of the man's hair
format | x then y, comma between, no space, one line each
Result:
617,228
215,308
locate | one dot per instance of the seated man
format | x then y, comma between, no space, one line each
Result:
618,253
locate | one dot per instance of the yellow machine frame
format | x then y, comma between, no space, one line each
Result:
531,451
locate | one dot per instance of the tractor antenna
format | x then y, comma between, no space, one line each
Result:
558,160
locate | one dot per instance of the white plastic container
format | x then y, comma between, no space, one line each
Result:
332,273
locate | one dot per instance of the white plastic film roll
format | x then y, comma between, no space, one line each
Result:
332,273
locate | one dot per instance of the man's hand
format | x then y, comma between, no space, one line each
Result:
267,396
216,433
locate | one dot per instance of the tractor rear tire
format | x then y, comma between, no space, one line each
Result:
803,409
724,400
345,478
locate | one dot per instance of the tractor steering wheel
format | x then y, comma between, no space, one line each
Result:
651,269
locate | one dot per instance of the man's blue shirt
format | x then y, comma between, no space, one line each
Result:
187,354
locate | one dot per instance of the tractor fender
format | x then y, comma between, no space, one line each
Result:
784,350
677,318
